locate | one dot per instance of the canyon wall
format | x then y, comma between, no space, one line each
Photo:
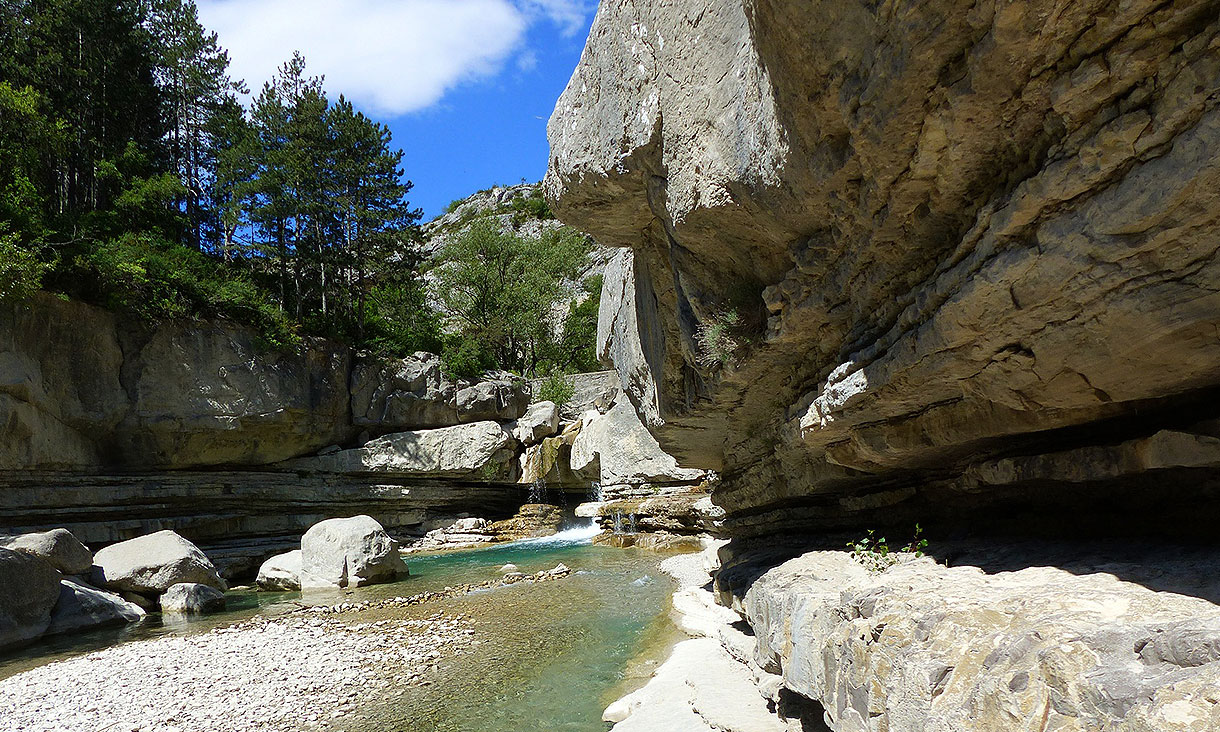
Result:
884,262
946,262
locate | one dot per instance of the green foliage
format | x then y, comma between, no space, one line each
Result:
875,553
556,388
533,206
400,321
500,290
21,271
718,339
466,358
128,164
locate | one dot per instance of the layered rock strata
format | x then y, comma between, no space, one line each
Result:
881,258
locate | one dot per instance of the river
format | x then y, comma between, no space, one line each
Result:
547,656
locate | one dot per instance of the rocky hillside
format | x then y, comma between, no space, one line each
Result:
884,264
519,209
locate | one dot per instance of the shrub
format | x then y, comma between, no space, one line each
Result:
717,339
465,358
21,271
556,388
876,556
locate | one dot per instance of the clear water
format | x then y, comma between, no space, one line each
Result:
549,656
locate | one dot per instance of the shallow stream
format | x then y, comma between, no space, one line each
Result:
548,656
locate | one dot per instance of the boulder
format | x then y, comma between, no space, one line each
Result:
192,598
503,398
624,451
281,572
349,552
402,394
81,607
481,449
540,420
961,649
29,589
152,564
58,547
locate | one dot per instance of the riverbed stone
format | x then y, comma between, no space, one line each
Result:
152,564
81,607
349,552
281,572
57,546
29,589
192,598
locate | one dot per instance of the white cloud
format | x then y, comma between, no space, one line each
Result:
569,15
389,56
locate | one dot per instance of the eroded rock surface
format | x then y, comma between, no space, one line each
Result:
921,646
872,249
30,590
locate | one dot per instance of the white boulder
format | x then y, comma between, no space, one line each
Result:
349,552
58,547
81,607
281,572
152,564
192,598
539,421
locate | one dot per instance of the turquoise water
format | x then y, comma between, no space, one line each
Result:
549,656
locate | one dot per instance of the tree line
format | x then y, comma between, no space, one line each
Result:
131,175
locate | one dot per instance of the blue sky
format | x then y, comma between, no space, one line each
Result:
466,86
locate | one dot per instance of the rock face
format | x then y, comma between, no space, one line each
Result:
30,589
921,646
81,607
281,572
152,564
189,598
617,449
873,253
406,394
540,420
58,547
350,552
481,449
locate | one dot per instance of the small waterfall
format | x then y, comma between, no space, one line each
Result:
631,523
618,521
537,492
595,492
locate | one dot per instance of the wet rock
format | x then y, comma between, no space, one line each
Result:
532,520
151,564
188,598
281,572
29,589
349,552
81,607
58,547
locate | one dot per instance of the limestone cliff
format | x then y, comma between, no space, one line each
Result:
891,261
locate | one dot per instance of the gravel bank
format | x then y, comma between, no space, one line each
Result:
306,670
